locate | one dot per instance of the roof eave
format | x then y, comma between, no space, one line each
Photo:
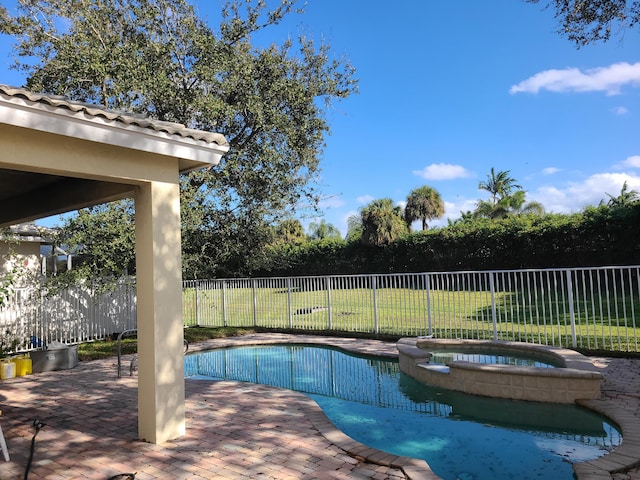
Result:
192,154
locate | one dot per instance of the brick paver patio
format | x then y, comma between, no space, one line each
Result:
234,430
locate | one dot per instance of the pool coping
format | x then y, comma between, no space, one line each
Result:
622,459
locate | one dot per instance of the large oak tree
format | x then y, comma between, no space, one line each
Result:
158,58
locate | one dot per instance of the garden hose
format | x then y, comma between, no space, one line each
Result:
38,425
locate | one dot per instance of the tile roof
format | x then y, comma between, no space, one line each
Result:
62,104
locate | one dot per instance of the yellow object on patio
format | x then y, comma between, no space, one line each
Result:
7,369
24,366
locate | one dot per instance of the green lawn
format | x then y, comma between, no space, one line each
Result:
521,315
109,348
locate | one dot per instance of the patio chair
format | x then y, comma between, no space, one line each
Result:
3,444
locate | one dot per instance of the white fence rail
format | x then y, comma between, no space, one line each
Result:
78,314
591,308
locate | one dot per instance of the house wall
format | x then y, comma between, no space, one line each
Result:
23,255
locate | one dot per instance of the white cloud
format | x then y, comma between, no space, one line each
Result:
442,171
550,170
576,195
620,110
453,209
630,162
602,79
364,199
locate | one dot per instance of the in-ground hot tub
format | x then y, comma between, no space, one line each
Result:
519,371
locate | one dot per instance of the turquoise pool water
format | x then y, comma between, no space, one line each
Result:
445,356
461,436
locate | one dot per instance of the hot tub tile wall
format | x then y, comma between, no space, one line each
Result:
578,380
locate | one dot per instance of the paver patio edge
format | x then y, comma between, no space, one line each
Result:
624,458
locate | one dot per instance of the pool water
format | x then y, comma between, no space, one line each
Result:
444,357
461,436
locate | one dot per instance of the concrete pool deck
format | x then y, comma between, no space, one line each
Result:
236,430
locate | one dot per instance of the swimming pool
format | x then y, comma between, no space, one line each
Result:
460,436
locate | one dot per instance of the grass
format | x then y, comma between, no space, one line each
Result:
105,349
601,322
109,348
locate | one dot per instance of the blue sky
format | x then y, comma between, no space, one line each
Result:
450,89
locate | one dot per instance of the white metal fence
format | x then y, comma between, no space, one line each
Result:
591,308
35,318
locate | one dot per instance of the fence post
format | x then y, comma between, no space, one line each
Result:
224,303
197,303
376,327
330,317
572,315
44,325
427,287
494,312
255,302
289,311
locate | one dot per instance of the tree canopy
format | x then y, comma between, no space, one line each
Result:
289,231
158,58
101,241
625,198
354,228
382,222
423,203
498,184
590,21
507,198
322,230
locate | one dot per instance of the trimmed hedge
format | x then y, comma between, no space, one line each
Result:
597,236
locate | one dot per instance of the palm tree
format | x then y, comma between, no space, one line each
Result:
488,209
513,204
354,228
322,230
504,201
518,205
626,197
499,185
289,231
382,222
423,203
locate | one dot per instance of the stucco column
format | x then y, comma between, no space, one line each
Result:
161,414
